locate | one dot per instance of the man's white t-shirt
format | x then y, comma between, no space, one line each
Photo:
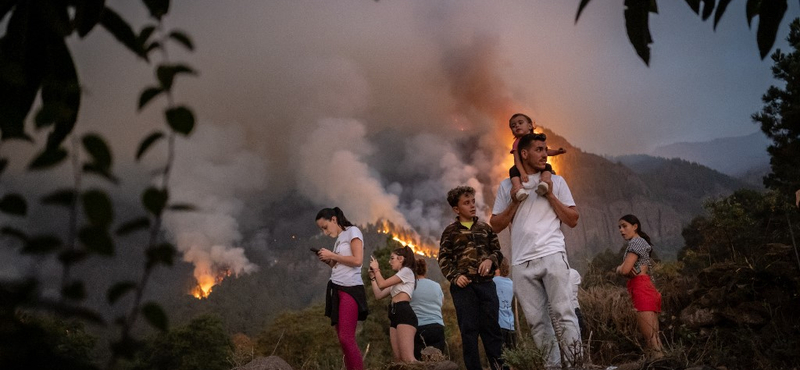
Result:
341,274
536,230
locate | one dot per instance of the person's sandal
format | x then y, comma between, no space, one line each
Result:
521,194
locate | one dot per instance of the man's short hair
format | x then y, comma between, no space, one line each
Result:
455,194
520,115
526,140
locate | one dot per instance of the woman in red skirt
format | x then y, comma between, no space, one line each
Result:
636,267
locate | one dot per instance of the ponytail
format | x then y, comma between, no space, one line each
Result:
330,213
340,219
408,257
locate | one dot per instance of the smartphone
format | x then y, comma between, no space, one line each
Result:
315,250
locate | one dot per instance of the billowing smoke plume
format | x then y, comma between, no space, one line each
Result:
215,173
333,172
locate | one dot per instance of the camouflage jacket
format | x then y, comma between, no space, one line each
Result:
462,250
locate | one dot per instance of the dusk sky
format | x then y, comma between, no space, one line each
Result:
381,107
259,60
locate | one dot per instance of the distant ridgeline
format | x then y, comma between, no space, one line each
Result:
664,193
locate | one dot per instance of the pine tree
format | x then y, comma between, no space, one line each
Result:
780,117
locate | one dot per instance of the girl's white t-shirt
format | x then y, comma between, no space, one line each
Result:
407,279
342,274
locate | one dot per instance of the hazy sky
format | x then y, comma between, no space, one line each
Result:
383,106
258,61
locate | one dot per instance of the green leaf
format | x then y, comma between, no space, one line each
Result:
147,143
154,200
157,8
145,34
98,208
163,253
181,120
48,158
14,233
166,74
769,19
708,8
87,15
118,290
182,207
184,39
61,92
41,245
22,54
636,23
62,197
75,291
96,240
152,46
751,10
695,5
69,257
102,172
98,150
723,4
122,31
580,9
14,204
148,95
155,316
140,223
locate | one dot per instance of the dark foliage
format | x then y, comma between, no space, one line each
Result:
637,14
780,117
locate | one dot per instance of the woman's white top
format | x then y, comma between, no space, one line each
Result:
342,274
407,279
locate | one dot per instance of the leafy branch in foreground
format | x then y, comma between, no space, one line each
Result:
637,13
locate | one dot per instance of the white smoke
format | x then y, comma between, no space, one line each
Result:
333,172
214,172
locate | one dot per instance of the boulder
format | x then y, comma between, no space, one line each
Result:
267,363
697,317
749,313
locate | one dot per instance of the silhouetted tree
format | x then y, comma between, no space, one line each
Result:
780,117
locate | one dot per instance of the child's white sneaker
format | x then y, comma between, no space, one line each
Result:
542,188
522,194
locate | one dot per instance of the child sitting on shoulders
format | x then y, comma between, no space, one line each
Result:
521,125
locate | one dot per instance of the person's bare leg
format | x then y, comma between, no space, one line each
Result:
648,326
395,341
405,337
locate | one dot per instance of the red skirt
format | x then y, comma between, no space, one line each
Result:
644,295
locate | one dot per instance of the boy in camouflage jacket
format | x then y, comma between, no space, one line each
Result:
469,252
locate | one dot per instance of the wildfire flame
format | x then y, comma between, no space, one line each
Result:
206,283
408,238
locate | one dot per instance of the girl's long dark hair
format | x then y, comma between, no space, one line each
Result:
631,219
329,213
408,257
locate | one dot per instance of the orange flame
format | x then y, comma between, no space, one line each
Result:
407,238
206,283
